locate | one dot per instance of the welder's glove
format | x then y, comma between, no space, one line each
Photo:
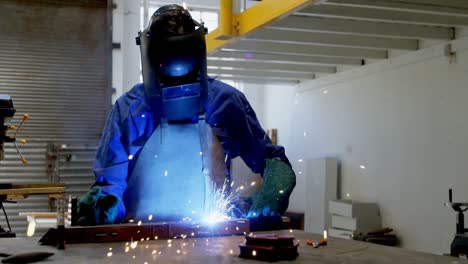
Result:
272,198
96,208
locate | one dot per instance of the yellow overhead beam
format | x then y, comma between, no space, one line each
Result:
258,16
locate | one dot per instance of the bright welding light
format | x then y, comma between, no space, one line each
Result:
219,206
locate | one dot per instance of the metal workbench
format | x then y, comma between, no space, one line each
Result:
222,250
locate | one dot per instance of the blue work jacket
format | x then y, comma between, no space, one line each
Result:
132,121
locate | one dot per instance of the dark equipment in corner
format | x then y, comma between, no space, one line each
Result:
7,111
459,245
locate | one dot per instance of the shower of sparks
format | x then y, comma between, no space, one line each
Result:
220,204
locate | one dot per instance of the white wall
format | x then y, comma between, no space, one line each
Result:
126,60
405,120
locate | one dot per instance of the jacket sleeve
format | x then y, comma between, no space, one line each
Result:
112,158
254,144
238,128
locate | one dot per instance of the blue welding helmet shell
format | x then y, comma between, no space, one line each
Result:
173,57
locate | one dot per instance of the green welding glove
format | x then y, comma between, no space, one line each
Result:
96,208
272,199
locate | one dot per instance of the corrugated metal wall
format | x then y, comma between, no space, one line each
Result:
55,62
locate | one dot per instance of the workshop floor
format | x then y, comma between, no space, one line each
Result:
221,250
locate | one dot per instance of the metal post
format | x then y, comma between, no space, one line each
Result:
61,222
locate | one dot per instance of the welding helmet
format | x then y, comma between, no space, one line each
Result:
173,59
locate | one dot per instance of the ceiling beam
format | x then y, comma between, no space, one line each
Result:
298,49
372,14
366,28
263,74
340,40
293,59
449,3
270,66
403,6
258,80
233,25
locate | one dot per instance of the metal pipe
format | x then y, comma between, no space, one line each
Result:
225,19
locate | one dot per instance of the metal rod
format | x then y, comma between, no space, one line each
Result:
19,152
6,216
19,127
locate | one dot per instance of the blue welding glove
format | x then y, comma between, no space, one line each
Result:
272,198
96,208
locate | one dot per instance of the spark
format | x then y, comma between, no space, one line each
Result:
130,157
241,187
110,249
150,217
139,223
134,244
281,191
170,245
254,253
127,249
231,251
143,116
362,167
109,254
165,173
192,234
220,204
154,252
201,153
252,183
156,237
290,230
300,160
178,251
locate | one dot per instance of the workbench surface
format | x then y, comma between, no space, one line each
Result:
221,250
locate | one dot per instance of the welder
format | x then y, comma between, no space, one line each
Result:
160,141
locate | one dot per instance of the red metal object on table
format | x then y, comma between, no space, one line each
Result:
269,247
